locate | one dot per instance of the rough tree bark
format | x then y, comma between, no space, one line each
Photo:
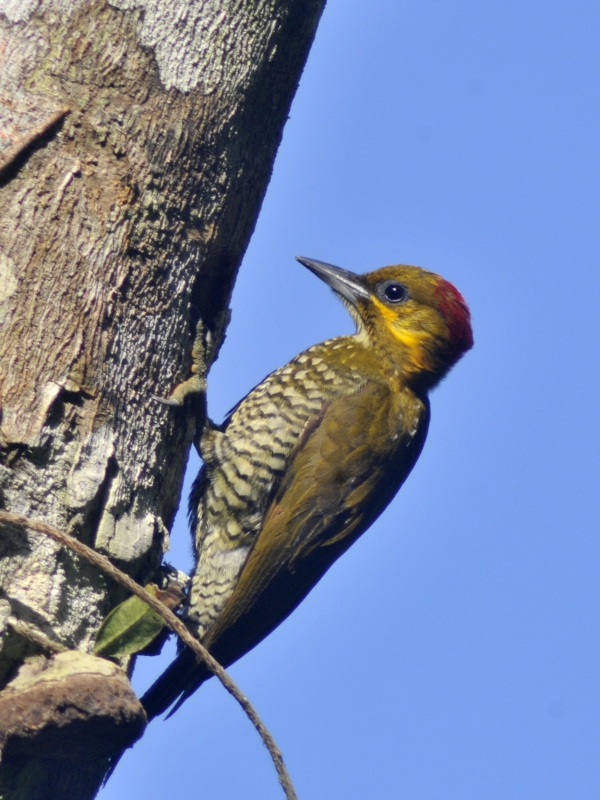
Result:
137,138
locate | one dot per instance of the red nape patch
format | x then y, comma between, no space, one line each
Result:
452,306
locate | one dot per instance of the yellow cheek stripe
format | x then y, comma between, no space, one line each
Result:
413,340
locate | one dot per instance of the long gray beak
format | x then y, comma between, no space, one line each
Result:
349,285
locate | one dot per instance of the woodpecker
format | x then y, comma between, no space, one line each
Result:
309,459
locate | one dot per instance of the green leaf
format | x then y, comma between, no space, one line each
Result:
129,627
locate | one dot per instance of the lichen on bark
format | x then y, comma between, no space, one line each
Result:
137,138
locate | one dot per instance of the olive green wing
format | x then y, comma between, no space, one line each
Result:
346,468
340,478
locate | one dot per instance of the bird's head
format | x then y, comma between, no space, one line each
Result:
414,317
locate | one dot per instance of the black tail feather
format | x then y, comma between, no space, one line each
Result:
181,679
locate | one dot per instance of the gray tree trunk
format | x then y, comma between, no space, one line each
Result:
137,139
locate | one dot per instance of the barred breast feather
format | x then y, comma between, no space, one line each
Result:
244,463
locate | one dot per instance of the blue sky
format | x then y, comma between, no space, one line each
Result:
452,653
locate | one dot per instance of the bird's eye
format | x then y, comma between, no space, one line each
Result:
392,292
